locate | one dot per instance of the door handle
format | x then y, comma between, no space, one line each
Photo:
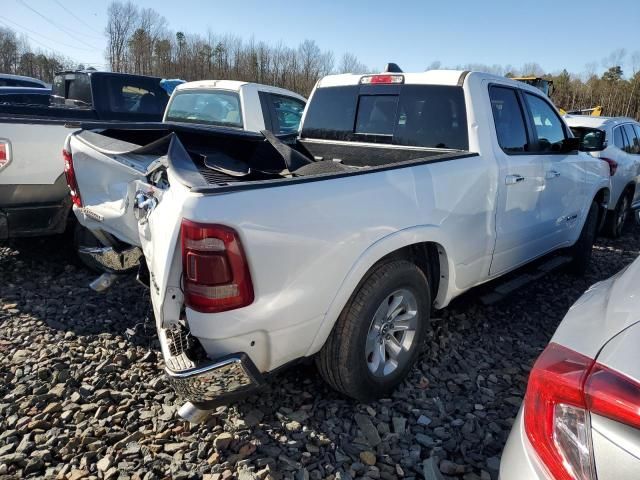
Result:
552,174
513,179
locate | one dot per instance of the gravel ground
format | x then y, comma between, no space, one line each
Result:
82,395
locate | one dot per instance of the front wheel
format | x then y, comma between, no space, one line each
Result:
581,251
377,337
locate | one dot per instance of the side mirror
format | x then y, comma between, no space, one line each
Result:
570,144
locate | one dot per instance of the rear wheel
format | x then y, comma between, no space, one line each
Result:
617,218
581,251
378,335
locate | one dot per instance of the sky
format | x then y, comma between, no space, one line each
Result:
556,34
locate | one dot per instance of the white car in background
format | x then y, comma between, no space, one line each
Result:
229,103
581,414
616,140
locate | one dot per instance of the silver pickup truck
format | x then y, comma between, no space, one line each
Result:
34,198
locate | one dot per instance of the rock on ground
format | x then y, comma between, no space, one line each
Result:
82,393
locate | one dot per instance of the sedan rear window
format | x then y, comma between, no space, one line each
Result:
219,107
412,115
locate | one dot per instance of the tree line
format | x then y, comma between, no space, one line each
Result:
18,58
140,41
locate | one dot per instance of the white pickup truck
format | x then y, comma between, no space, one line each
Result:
231,103
402,191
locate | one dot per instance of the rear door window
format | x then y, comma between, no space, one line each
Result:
286,113
633,146
636,127
620,139
509,120
413,115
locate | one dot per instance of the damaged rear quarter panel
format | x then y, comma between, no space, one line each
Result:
160,241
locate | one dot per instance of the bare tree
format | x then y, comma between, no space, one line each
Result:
350,64
121,23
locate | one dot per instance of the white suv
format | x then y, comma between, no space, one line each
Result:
616,140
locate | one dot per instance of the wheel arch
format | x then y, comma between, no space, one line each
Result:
424,246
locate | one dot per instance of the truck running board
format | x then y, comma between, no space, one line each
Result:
503,289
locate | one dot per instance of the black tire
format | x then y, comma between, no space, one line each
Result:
617,219
82,237
582,249
342,361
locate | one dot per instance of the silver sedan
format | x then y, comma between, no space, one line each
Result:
580,419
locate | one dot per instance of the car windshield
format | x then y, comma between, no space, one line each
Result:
591,139
206,107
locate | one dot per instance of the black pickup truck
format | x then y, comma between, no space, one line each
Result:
34,196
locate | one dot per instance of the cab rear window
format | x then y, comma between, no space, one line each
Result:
412,115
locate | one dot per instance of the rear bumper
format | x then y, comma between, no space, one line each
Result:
216,382
34,220
519,461
204,382
34,210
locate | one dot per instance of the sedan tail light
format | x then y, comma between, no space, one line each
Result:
613,395
564,388
613,165
555,416
70,174
216,274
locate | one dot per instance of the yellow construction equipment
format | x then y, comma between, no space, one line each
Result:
594,112
543,84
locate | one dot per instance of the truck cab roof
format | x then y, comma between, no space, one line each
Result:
429,77
103,73
236,86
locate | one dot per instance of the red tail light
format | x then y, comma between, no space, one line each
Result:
613,395
382,79
70,174
613,165
555,416
216,275
564,388
5,153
